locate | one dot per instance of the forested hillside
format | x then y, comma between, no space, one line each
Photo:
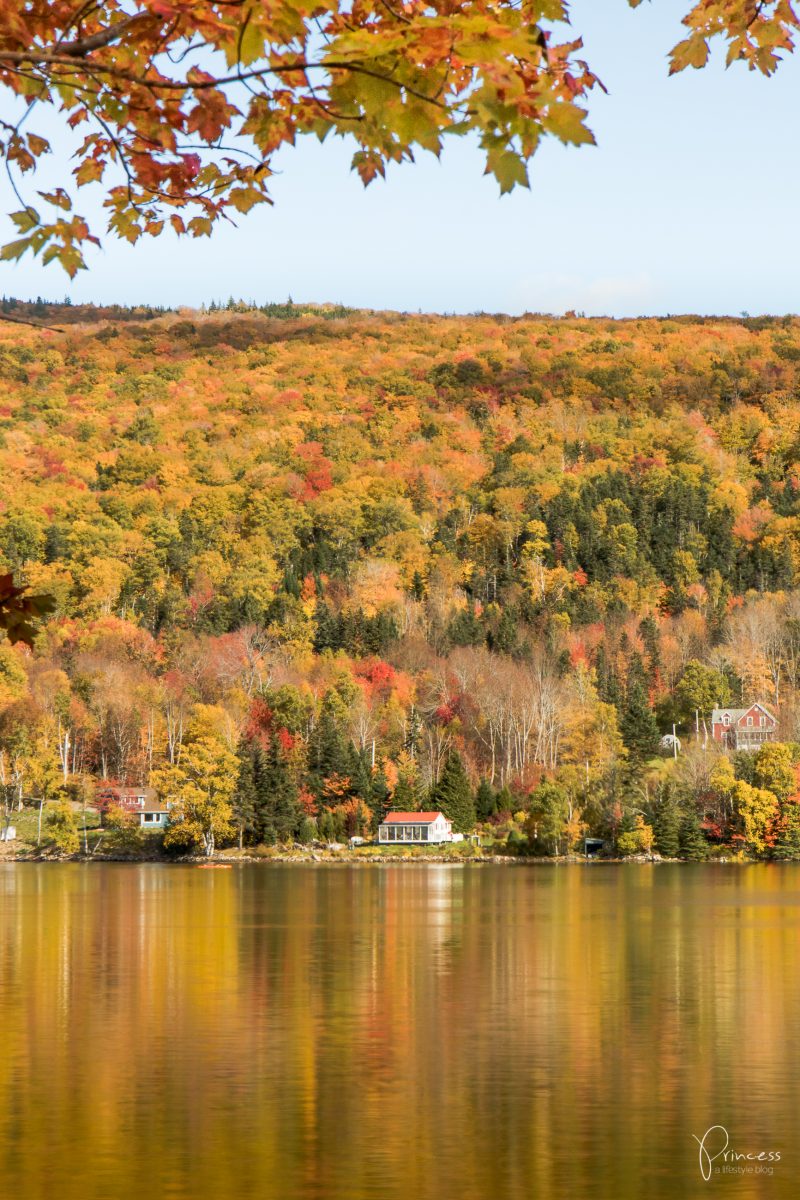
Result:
309,568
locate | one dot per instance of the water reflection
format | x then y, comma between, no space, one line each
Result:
478,1033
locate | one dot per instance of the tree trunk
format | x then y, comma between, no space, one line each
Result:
39,830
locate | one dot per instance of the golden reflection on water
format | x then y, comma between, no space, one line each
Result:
291,1033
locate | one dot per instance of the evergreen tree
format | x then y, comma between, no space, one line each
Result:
263,823
329,752
278,813
404,796
359,773
418,586
667,826
378,798
452,795
504,638
691,842
504,801
649,633
244,798
608,685
326,634
465,629
284,792
379,633
485,801
638,724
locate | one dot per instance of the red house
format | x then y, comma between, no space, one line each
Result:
140,801
132,799
743,728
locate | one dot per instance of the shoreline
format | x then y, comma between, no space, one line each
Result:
347,858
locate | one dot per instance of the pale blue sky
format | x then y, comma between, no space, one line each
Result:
688,204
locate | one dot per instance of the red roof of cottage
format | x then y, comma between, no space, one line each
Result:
411,818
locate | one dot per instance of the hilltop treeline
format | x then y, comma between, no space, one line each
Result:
343,562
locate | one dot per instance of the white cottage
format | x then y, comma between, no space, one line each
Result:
430,827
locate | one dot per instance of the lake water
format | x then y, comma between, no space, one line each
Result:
424,1032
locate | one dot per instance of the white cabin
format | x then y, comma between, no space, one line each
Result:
418,827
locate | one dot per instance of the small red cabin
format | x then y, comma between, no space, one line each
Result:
132,799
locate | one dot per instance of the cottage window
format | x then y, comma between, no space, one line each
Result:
762,721
749,720
726,720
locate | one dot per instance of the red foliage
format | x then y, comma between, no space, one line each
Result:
748,525
643,462
318,479
378,675
52,464
712,829
286,740
259,721
308,803
319,470
577,652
